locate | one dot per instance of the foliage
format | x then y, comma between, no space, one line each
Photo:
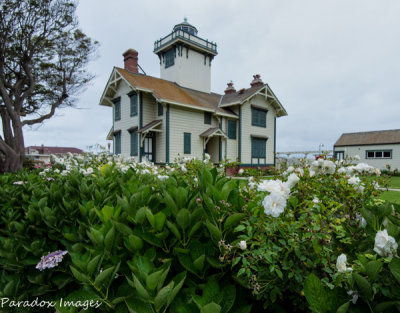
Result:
137,239
43,59
187,238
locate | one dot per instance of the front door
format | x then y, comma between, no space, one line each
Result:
149,147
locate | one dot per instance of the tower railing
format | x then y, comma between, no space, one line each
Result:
193,39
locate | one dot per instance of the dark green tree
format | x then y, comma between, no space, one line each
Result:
43,60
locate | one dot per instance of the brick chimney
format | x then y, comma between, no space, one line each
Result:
257,82
230,88
131,60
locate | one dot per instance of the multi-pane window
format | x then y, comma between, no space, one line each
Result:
169,58
160,109
134,143
378,154
258,117
117,143
339,155
134,103
207,118
258,147
231,129
186,143
117,109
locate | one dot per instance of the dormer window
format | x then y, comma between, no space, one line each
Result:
169,58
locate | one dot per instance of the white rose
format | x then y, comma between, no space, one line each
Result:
274,204
385,245
243,245
341,264
293,179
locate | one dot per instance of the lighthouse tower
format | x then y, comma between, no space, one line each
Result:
186,58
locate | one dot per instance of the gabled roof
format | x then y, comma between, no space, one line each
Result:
149,126
239,97
369,138
169,92
214,131
166,91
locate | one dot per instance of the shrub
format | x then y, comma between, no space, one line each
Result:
186,238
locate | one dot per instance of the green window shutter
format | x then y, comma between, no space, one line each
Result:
160,109
258,148
186,143
117,142
134,103
258,117
134,143
117,110
231,129
263,119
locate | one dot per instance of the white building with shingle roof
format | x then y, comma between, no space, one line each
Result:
177,115
377,148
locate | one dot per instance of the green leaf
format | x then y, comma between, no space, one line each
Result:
383,306
363,286
92,265
122,228
141,215
369,217
199,262
315,294
103,276
183,218
97,236
394,267
159,221
78,275
109,239
150,217
186,262
211,290
170,203
229,296
317,247
214,231
195,228
107,212
179,280
211,308
139,288
343,308
233,220
152,280
174,229
136,242
373,268
215,263
138,306
162,297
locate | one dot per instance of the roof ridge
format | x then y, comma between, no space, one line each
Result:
371,131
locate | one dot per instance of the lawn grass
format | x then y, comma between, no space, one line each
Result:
394,182
391,196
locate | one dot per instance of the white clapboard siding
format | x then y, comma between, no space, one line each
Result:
127,121
248,130
394,162
187,121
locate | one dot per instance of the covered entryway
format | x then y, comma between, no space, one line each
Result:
148,140
212,143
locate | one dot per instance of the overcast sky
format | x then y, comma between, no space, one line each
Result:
333,64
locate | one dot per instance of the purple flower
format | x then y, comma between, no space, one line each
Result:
51,260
